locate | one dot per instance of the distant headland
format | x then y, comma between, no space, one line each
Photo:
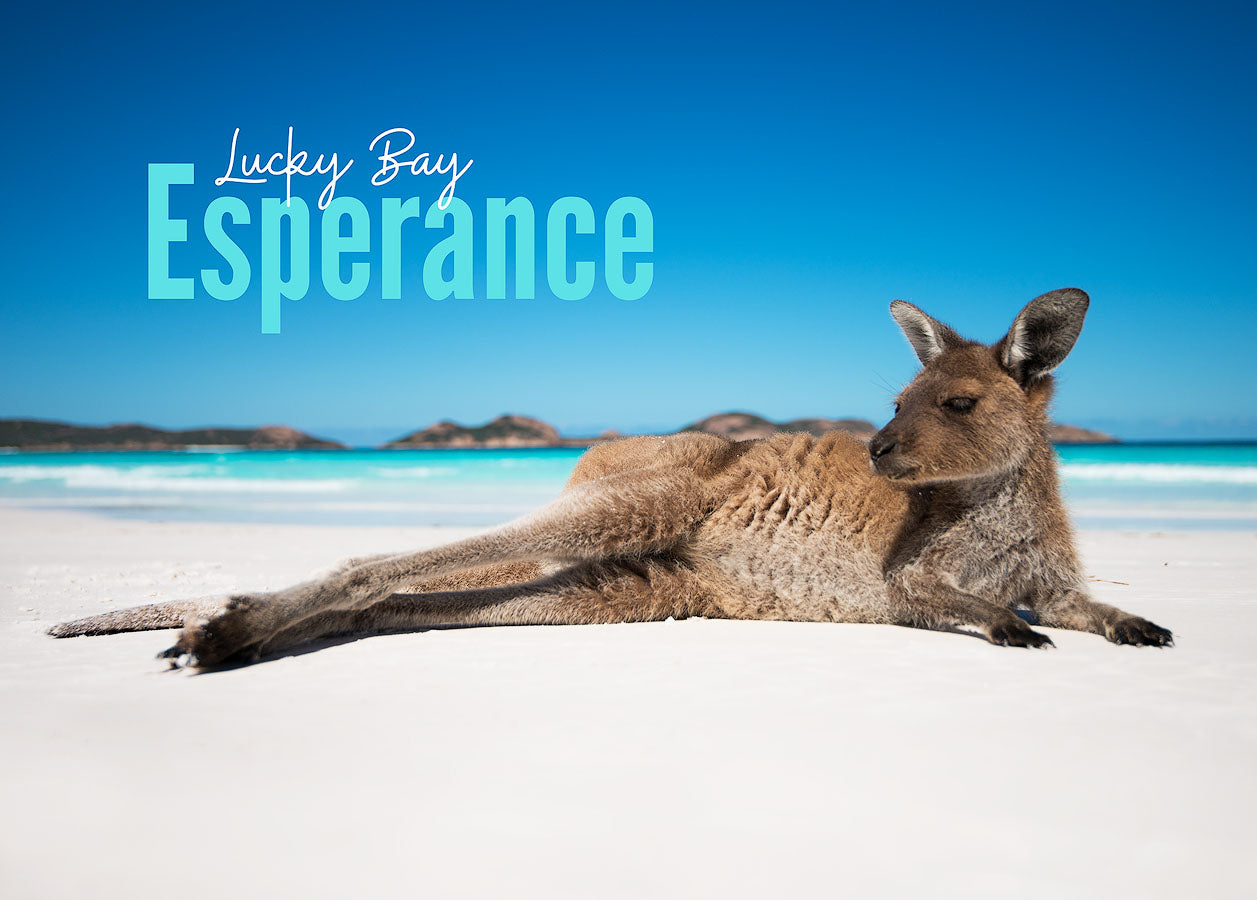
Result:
36,434
504,432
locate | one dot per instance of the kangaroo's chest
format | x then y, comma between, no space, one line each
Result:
994,550
795,546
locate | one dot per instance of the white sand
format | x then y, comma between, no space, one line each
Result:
697,758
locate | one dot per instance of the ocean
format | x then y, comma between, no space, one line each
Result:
1145,486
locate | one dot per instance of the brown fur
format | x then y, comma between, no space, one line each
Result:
957,524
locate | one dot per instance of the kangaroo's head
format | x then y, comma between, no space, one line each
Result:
974,410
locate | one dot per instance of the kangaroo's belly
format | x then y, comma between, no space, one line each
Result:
804,533
802,576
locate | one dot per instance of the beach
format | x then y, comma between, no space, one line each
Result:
692,758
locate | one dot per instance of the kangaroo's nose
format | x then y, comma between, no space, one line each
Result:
880,446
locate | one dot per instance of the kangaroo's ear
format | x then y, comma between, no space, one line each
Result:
1043,334
927,336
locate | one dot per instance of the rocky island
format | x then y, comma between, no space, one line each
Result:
1072,434
37,434
503,432
741,426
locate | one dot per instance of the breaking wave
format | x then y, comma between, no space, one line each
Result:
1159,473
165,478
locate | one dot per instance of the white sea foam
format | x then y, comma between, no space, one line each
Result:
417,507
1160,473
416,472
165,478
1164,512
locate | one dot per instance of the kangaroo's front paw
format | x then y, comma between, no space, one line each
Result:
1014,632
1138,632
233,633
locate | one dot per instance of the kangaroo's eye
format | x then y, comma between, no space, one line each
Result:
896,409
960,404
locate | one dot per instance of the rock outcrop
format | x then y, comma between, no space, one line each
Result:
504,431
741,426
1072,434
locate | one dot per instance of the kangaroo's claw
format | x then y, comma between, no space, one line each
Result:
1139,632
1016,633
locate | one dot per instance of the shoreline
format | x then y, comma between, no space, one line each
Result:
1111,486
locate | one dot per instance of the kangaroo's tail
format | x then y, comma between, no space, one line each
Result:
172,614
137,618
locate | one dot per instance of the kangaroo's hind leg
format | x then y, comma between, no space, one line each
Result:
632,515
647,590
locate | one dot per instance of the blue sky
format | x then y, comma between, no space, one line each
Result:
805,165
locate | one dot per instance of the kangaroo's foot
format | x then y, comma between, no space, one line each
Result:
232,633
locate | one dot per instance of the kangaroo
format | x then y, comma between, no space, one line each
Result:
949,519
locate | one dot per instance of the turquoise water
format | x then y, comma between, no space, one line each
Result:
1161,486
1142,486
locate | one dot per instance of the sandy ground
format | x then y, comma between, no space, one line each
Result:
689,759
